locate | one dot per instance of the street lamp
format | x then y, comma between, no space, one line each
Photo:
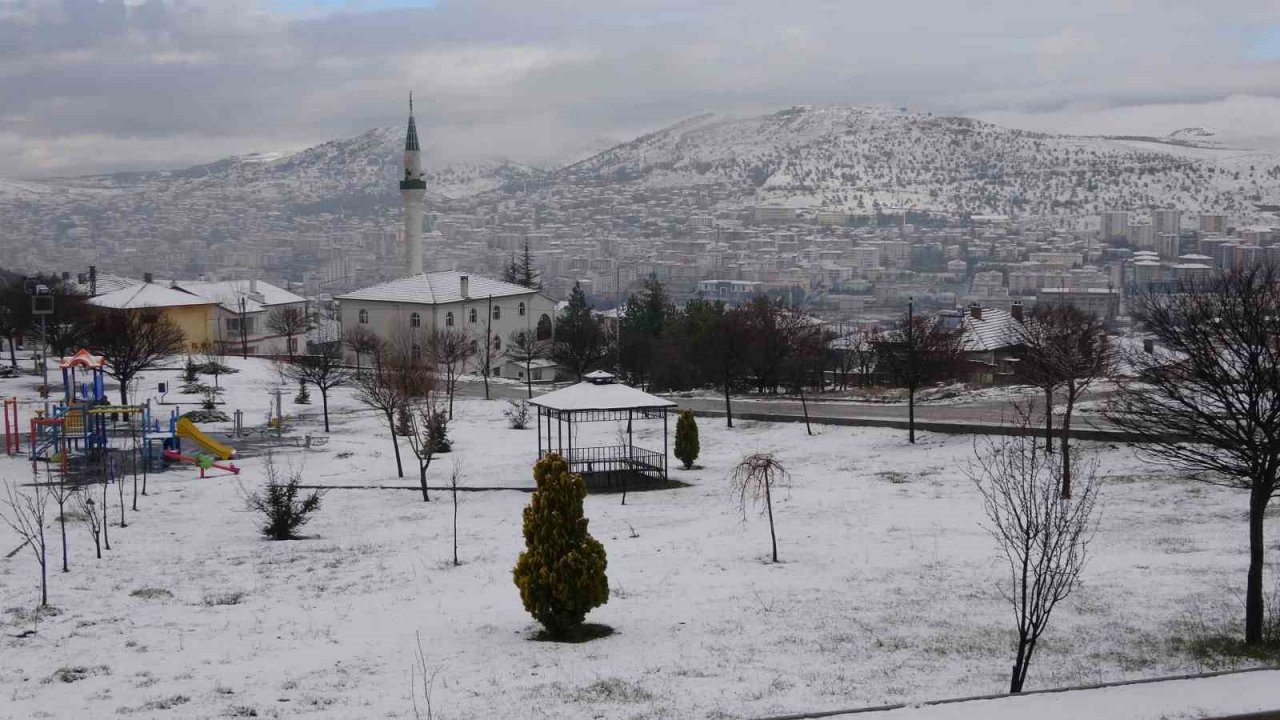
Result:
42,305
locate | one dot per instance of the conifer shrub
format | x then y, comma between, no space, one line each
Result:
284,507
687,447
561,573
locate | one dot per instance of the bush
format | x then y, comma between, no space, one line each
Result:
517,414
279,502
561,573
303,397
438,431
190,371
687,448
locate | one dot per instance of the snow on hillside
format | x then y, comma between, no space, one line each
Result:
853,158
886,592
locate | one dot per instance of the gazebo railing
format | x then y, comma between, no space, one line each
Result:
608,465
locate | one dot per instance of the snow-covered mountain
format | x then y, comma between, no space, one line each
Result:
855,158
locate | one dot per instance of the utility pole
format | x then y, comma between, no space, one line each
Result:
244,336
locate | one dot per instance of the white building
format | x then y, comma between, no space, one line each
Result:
417,306
251,303
1166,221
1115,225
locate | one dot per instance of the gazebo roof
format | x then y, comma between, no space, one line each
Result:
587,396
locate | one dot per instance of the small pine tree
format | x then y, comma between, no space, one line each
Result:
285,509
687,447
404,427
303,397
561,573
190,370
438,431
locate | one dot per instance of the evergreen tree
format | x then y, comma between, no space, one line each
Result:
642,326
510,271
580,341
527,275
561,573
687,447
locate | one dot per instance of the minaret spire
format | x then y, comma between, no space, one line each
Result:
412,189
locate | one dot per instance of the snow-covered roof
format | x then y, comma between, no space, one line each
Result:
997,329
590,396
436,288
227,293
105,283
147,295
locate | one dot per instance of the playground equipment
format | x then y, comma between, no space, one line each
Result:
187,430
12,442
202,461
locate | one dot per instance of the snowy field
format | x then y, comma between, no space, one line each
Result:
886,591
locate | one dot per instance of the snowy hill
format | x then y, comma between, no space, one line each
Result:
855,158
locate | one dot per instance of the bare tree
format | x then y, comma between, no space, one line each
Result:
451,349
24,512
754,479
523,348
325,370
455,480
919,351
1042,536
425,425
1065,349
61,492
92,517
134,341
1207,398
289,321
363,342
377,389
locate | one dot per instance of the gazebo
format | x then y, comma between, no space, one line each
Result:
600,399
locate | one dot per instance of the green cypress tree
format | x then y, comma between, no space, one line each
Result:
561,573
687,447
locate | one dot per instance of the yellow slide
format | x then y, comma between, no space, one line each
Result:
188,431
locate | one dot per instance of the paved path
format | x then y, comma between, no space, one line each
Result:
981,415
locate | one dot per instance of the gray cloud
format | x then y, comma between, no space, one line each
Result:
100,85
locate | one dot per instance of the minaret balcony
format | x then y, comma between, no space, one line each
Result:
413,184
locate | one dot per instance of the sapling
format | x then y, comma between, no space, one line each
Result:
754,479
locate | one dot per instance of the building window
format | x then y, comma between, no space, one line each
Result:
497,312
415,320
497,372
472,316
497,343
520,309
364,317
448,319
537,373
293,344
417,352
474,347
544,327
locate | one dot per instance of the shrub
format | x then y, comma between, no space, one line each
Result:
281,505
303,397
517,414
190,371
687,439
438,431
561,573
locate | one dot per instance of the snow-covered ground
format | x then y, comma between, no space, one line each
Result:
886,591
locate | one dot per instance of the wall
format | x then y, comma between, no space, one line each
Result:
386,318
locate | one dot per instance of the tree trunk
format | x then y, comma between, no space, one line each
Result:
324,404
106,538
728,405
804,404
391,425
1066,447
1048,420
422,478
911,415
13,355
1254,604
124,392
768,503
62,520
44,579
455,526
1019,665
528,378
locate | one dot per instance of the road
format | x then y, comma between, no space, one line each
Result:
942,417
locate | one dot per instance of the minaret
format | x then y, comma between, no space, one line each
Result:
413,190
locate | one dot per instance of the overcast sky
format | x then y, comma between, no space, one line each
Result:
103,85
